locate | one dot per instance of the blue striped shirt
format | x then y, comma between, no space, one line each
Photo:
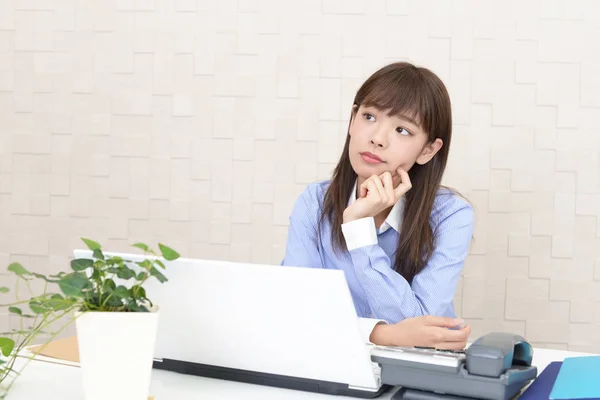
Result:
377,290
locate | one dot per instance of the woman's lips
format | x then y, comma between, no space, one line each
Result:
370,158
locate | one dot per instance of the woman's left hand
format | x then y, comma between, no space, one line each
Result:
378,193
428,331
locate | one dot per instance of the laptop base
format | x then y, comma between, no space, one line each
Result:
265,379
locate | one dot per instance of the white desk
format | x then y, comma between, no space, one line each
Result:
46,381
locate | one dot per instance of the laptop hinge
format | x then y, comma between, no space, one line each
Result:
363,388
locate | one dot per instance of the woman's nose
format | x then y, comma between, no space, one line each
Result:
379,138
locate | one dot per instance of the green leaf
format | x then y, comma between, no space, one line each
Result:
15,310
109,286
138,292
156,273
162,265
19,312
75,284
37,306
114,260
142,246
6,345
98,254
92,298
91,244
40,276
81,264
122,292
57,303
4,289
146,264
18,269
168,253
125,272
133,306
95,274
141,276
112,303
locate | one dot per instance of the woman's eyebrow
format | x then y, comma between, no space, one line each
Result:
408,119
404,117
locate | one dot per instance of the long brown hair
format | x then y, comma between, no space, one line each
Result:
400,88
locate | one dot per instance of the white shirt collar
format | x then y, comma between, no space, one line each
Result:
394,218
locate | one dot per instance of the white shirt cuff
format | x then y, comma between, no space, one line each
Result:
360,233
366,326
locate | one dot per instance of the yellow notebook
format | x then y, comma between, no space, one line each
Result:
61,349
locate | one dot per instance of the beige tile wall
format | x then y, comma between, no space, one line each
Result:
197,123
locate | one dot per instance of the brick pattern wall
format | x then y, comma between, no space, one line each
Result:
198,122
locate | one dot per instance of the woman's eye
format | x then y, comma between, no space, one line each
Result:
402,131
369,117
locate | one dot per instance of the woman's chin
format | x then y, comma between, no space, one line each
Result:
367,170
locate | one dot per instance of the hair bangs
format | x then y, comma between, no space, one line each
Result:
405,94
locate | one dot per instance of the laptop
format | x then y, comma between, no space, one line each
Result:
287,327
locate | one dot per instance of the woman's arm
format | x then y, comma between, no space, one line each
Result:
427,331
389,295
301,249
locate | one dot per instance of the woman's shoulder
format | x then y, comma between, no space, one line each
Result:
449,205
314,192
311,198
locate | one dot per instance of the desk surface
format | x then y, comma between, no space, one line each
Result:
47,381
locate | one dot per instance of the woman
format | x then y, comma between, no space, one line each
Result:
384,218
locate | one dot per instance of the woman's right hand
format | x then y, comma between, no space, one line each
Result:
427,331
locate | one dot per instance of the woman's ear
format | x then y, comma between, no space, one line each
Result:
429,151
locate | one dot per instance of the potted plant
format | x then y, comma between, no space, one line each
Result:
116,324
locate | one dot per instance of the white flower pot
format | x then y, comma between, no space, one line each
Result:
116,351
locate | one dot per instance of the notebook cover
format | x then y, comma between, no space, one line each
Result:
578,378
541,387
62,349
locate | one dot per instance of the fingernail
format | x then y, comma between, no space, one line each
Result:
459,321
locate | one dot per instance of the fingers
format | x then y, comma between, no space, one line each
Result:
368,186
444,322
363,189
375,187
453,336
388,186
405,184
451,346
379,185
456,341
396,180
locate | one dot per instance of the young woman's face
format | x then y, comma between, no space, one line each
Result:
380,143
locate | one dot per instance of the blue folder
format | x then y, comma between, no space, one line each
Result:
542,386
578,378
